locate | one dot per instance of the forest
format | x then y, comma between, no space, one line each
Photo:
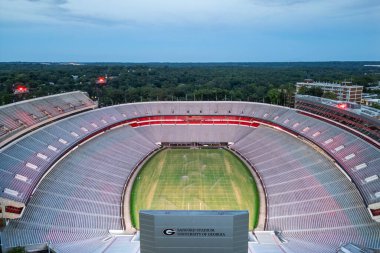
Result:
128,82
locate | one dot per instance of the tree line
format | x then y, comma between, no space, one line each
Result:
259,82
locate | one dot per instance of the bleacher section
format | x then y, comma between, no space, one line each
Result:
353,115
18,118
80,199
83,193
308,197
343,146
194,133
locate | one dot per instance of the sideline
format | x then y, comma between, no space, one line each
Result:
126,199
262,222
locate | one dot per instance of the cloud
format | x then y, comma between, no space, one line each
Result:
183,30
165,11
184,12
30,10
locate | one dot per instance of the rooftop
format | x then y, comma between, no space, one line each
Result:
326,84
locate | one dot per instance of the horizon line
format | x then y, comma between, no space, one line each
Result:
188,62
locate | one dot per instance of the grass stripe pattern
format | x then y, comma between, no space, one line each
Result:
194,179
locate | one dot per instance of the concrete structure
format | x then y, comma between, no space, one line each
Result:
344,91
359,117
321,177
19,118
371,101
193,231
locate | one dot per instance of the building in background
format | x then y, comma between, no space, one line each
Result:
345,91
375,87
370,99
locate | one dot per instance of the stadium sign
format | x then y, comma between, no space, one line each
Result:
169,231
193,231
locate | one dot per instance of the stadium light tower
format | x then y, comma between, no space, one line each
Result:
19,90
101,81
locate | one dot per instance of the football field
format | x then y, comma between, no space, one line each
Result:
194,179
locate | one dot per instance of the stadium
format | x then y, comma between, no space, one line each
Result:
73,176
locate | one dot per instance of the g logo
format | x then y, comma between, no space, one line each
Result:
169,231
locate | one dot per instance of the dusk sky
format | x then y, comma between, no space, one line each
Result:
189,31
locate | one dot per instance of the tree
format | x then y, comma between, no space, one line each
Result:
303,90
274,96
312,91
376,106
316,91
260,91
248,81
329,95
17,250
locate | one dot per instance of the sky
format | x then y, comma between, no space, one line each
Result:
189,30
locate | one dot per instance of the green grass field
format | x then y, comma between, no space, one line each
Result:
195,179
